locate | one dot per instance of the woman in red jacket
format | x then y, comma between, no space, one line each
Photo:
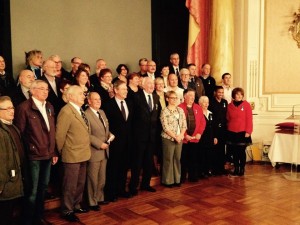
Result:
195,127
240,127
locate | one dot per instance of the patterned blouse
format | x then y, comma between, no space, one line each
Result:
172,120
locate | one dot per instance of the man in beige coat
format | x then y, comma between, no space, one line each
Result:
73,144
100,138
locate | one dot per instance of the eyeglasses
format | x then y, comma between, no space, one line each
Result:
173,98
10,108
43,89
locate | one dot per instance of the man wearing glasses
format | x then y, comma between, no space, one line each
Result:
11,149
35,119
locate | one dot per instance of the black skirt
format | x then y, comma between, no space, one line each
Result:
238,138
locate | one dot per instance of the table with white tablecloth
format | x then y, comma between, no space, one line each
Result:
285,148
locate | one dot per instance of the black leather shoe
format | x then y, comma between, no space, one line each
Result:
81,210
71,217
95,208
103,203
149,189
177,184
42,222
168,185
125,194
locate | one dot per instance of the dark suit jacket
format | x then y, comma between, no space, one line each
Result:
94,79
17,96
118,126
55,100
103,94
145,121
171,69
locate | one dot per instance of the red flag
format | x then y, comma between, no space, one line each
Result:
198,31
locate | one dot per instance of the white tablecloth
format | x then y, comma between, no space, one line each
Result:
285,148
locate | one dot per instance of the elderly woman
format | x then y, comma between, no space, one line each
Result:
174,126
208,139
195,127
133,85
122,71
240,127
105,89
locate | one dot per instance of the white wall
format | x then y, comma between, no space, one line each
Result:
117,31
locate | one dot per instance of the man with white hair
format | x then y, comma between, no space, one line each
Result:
54,96
147,109
73,144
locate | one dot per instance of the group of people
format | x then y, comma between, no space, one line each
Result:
96,128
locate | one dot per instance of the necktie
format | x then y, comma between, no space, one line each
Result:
123,110
177,72
150,103
101,119
84,117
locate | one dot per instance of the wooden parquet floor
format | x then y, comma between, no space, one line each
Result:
262,196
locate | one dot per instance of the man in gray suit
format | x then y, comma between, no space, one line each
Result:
100,139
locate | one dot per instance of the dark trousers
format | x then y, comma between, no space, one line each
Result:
143,159
218,158
204,158
74,175
189,161
239,155
34,200
116,172
10,212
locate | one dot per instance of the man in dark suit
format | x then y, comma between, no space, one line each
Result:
75,62
174,67
21,92
73,144
208,81
146,119
37,126
119,113
95,79
100,140
54,96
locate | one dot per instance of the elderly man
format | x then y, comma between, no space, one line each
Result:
22,93
119,112
7,81
143,66
73,144
147,109
75,62
100,64
60,71
11,149
35,119
195,82
174,67
54,96
151,68
184,79
100,140
173,86
208,81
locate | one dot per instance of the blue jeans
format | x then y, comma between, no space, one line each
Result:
40,175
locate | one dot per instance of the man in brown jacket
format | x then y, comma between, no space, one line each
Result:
35,120
73,144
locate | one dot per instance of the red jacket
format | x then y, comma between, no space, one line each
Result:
239,118
199,120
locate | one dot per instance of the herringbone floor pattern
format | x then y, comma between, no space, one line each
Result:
262,196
